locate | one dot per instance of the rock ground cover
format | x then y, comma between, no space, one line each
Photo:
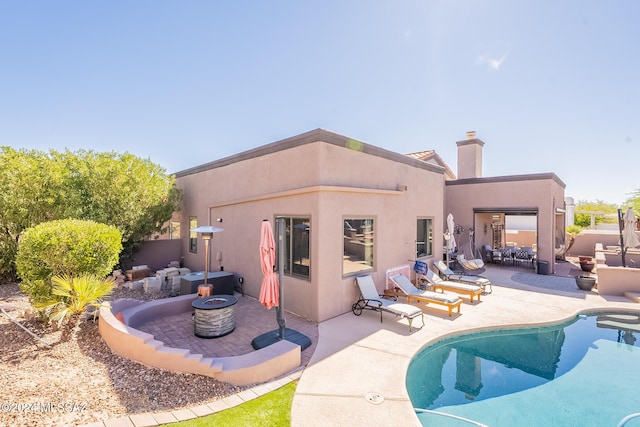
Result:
81,380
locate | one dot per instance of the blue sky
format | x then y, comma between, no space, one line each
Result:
549,86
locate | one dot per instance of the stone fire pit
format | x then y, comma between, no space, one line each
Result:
214,316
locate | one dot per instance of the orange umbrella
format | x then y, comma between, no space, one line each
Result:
269,292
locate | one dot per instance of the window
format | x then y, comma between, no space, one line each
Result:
193,236
358,245
424,238
174,230
297,261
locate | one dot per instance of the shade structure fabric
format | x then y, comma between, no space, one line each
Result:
269,291
450,228
628,233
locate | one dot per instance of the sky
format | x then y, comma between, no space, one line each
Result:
549,86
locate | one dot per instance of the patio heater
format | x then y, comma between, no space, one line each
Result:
207,234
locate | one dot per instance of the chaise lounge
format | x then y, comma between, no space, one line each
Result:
447,274
446,285
371,300
405,288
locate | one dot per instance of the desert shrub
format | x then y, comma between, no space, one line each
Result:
70,296
65,247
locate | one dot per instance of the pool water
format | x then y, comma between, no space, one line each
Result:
580,373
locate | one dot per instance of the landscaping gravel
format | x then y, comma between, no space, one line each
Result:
81,380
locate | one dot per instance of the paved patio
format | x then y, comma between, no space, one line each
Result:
251,320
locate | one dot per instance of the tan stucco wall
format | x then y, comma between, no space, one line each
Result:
617,280
327,183
543,193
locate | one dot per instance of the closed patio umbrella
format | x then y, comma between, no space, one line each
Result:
451,241
450,228
269,292
629,233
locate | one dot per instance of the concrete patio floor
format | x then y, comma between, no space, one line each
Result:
352,357
359,356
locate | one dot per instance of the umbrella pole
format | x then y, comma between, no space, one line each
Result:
622,251
279,312
281,333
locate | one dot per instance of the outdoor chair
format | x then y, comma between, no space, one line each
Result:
441,285
406,288
524,256
448,274
470,266
371,300
487,253
508,254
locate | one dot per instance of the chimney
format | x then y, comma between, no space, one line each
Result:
470,156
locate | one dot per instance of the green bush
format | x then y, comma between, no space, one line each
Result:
65,247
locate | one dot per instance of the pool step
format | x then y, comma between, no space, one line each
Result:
634,296
629,322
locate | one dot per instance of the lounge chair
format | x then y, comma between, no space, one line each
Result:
371,300
406,288
448,274
446,285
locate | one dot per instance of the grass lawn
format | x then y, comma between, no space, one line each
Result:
272,409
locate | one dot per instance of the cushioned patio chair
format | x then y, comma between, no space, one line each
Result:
524,255
447,274
406,288
371,300
439,284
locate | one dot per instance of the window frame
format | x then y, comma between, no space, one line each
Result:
428,242
193,236
291,240
360,222
175,228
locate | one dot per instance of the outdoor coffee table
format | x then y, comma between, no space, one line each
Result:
214,316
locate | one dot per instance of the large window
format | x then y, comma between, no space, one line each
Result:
297,261
174,230
193,236
358,245
424,238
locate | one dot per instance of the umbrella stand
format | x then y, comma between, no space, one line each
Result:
282,333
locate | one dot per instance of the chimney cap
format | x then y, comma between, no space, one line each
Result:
471,134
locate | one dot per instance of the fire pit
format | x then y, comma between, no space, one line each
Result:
214,316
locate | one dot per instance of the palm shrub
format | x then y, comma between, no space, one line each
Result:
67,247
572,231
70,296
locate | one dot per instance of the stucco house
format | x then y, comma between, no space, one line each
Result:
350,208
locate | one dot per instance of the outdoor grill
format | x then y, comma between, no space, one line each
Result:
214,316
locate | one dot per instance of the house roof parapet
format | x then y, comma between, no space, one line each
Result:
317,135
509,178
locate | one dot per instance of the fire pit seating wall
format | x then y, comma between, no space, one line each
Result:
124,339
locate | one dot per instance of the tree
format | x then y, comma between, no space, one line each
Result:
634,201
133,194
608,213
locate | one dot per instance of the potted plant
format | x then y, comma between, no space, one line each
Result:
585,282
587,263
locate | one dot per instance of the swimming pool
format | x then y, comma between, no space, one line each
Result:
582,372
